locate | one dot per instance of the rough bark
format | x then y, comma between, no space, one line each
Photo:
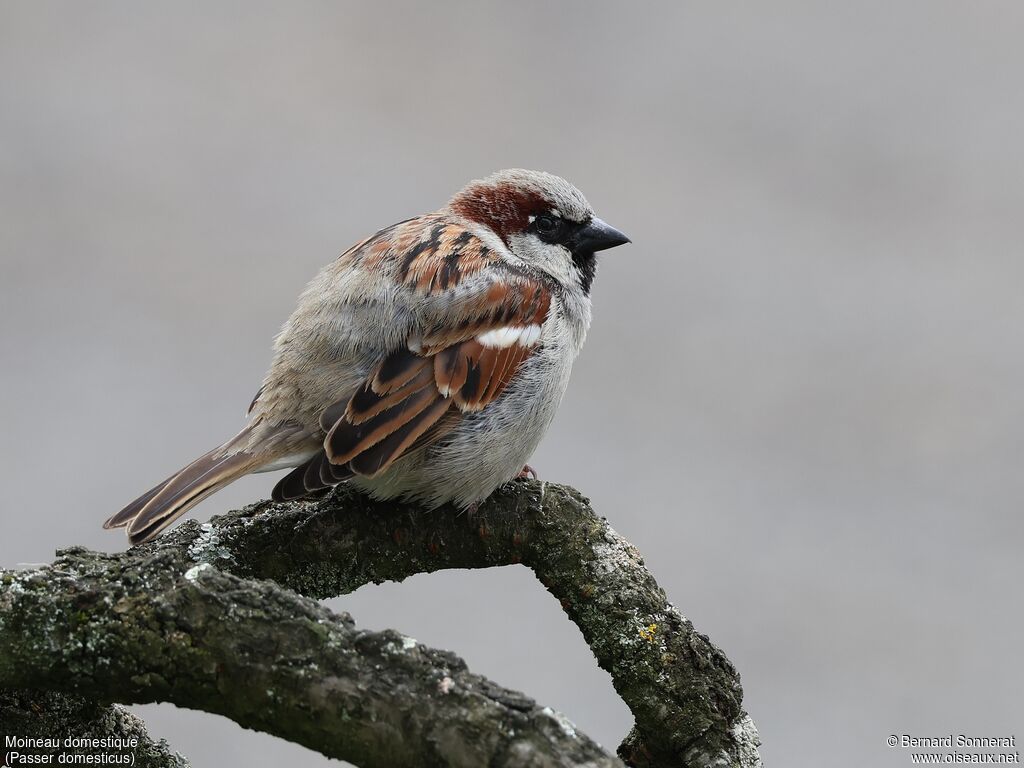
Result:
41,715
184,620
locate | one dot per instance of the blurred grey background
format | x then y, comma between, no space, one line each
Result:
803,393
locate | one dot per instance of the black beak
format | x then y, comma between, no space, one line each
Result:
595,235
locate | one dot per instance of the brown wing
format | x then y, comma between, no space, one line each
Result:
418,393
464,364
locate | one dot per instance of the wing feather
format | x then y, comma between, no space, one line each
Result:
346,440
380,456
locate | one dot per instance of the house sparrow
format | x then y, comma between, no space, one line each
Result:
425,363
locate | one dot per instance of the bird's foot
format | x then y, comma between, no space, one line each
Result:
527,473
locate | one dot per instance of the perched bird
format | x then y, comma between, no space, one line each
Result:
425,363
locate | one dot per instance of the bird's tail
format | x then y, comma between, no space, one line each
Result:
161,505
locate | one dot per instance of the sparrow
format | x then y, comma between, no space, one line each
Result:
424,364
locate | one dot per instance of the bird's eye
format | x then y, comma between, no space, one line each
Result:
546,225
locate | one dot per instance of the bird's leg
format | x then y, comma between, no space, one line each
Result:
526,473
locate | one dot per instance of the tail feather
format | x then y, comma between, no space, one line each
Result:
156,509
129,513
317,474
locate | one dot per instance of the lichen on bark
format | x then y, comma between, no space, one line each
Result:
222,617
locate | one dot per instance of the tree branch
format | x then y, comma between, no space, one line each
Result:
41,715
186,625
146,626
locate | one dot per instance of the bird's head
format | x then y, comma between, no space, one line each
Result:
543,219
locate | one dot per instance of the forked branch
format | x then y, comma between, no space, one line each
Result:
222,617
